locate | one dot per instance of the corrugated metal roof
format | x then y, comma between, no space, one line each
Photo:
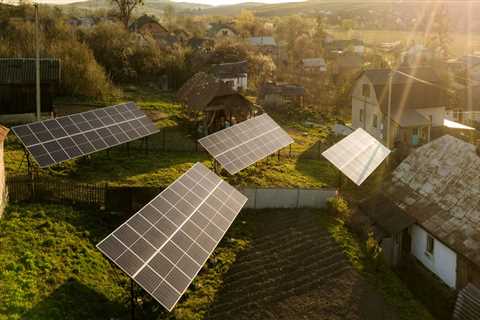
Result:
314,62
22,70
262,41
467,306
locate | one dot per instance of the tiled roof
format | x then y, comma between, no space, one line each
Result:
438,184
281,89
202,89
22,70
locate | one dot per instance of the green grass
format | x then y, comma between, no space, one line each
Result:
50,268
49,265
380,276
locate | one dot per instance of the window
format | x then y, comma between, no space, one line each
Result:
361,115
430,245
415,132
366,90
375,121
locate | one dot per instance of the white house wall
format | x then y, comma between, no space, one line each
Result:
371,106
443,262
438,114
240,82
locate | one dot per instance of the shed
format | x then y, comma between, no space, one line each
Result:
314,65
3,189
390,224
17,85
281,93
219,103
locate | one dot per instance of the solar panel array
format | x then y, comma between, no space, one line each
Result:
357,155
164,245
243,144
64,138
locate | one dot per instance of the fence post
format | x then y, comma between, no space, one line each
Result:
105,195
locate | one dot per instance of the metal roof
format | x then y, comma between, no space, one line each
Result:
22,70
262,41
467,306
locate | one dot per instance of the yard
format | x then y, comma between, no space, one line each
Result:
174,150
50,269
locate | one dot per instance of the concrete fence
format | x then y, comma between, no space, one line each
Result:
286,198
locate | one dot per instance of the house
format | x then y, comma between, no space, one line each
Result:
232,73
3,188
221,30
468,105
148,25
18,89
314,65
438,186
214,101
417,104
277,94
81,22
266,45
341,46
201,44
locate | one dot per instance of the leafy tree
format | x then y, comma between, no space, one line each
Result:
125,9
438,38
246,23
169,15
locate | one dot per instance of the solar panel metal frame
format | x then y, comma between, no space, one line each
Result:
243,139
69,137
357,155
207,231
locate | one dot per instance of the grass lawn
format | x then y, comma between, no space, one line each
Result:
50,268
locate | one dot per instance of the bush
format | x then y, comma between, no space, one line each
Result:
81,74
338,206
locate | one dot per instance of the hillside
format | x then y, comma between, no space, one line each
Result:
150,7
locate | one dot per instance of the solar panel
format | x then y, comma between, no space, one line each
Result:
56,140
164,245
357,155
243,144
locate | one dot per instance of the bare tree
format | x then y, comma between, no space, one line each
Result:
125,9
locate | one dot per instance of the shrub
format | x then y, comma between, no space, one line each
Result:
338,206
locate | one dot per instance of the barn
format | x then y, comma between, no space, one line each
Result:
17,86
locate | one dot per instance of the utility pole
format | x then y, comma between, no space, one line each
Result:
37,64
389,107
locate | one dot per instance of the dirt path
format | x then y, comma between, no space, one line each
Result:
295,270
